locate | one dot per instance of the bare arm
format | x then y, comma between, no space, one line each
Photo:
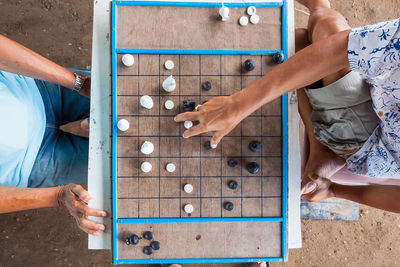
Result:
385,197
18,198
72,196
222,114
18,59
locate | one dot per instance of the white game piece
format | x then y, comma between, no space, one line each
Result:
224,12
188,208
188,188
169,64
147,148
170,167
123,125
251,10
188,124
146,166
128,60
243,21
169,84
146,102
169,104
255,19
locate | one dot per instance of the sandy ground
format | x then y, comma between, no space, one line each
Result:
61,31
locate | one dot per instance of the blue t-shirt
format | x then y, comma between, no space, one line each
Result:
22,126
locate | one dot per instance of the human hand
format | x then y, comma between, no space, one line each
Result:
220,115
321,162
317,189
85,90
75,198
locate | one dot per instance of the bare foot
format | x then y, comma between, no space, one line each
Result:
322,162
85,124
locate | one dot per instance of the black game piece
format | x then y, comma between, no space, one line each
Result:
155,245
132,240
249,65
148,250
278,58
207,145
233,185
255,146
188,105
148,235
232,163
207,86
229,206
253,167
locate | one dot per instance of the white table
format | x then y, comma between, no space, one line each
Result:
99,145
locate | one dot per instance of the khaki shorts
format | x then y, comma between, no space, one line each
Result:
343,116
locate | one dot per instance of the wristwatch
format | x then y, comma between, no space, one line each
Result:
80,78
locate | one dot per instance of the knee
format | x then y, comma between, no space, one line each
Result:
300,33
325,24
324,28
301,38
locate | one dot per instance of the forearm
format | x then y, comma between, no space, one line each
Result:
18,59
383,197
19,198
306,67
305,111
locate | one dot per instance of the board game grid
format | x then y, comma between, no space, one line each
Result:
150,125
158,194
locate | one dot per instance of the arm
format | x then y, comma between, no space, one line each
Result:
385,197
18,198
72,196
222,114
18,59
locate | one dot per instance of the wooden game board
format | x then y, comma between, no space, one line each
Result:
154,201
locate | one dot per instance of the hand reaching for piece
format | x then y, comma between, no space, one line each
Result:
317,189
219,115
75,198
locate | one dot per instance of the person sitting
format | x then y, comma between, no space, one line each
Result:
40,164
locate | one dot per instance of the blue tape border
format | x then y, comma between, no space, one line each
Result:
196,52
194,260
198,4
114,169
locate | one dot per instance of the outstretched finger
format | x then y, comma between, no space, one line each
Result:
81,193
85,210
90,225
95,212
187,116
217,138
195,130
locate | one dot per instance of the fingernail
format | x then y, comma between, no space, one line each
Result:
103,213
174,118
102,227
213,146
96,233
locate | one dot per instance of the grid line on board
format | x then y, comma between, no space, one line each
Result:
202,139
